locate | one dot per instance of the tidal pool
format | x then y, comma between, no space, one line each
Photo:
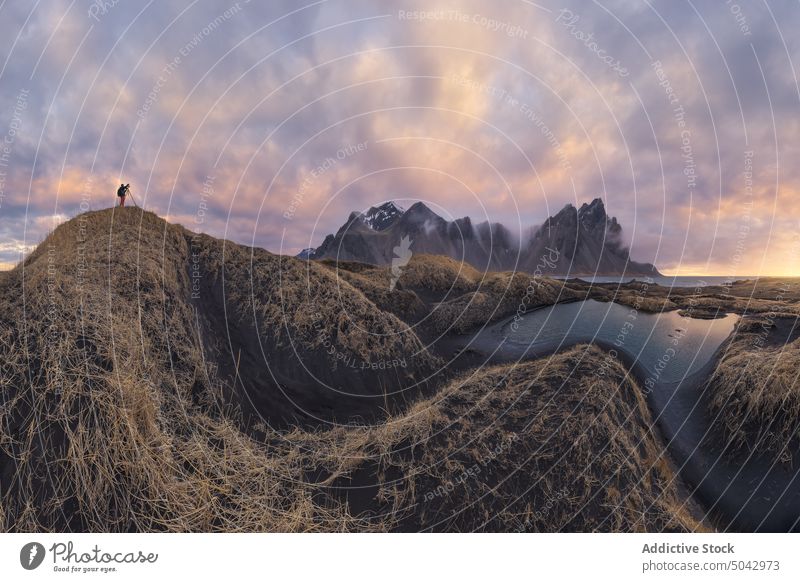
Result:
666,345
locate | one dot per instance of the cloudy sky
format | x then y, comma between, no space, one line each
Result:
268,122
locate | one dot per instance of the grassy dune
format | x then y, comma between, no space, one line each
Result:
122,403
546,445
111,421
756,388
451,297
156,380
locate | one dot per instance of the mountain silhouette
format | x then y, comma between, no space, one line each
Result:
584,241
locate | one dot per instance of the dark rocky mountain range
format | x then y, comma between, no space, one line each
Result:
581,241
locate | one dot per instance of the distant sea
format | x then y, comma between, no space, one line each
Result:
668,281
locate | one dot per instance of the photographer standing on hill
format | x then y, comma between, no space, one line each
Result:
122,191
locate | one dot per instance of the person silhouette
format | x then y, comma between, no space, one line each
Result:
122,191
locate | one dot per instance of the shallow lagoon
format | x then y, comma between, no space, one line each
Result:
668,346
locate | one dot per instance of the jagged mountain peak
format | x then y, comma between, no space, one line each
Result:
595,205
421,210
390,206
382,216
594,212
591,216
594,208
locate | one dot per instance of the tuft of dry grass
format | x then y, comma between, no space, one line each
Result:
373,282
755,389
440,274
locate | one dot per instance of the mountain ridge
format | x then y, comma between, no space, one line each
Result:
574,241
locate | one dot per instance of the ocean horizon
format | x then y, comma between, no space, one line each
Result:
670,280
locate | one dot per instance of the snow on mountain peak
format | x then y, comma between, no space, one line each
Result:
383,216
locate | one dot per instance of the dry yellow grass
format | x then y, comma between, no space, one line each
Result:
373,282
755,389
439,274
541,446
115,414
498,295
448,296
119,411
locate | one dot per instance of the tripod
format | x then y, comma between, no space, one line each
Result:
132,198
